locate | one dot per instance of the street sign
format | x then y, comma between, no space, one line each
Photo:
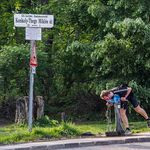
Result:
33,24
33,20
33,61
33,33
33,69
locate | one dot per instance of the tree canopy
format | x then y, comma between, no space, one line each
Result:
94,45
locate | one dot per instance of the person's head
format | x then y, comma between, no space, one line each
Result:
106,95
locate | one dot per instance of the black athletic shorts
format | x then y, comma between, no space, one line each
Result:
131,99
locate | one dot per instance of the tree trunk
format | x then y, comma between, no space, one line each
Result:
22,109
40,106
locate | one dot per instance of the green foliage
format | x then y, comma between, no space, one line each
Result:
15,134
94,45
68,130
44,121
142,93
14,70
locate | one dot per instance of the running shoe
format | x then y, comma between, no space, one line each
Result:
128,132
148,123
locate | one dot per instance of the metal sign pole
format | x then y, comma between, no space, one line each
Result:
31,93
33,24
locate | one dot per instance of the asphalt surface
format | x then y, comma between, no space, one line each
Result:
127,146
80,142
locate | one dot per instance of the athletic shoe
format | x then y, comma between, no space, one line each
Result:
148,123
128,132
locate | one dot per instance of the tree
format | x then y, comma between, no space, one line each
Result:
94,45
123,54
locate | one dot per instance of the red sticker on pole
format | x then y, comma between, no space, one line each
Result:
33,61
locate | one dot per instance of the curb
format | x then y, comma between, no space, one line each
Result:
67,144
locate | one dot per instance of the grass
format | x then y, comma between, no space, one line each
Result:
20,133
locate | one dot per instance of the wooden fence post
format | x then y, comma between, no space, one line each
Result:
63,117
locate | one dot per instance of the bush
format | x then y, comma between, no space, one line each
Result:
44,121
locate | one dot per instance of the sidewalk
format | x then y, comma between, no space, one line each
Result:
88,141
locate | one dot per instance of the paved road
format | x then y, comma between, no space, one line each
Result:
129,146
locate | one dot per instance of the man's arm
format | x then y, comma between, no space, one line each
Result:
109,104
128,92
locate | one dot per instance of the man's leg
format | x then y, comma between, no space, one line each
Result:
141,111
125,121
137,108
124,117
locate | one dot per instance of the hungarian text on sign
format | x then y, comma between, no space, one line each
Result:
32,20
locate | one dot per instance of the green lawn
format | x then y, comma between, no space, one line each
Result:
20,133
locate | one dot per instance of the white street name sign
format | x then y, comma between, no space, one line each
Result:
33,20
